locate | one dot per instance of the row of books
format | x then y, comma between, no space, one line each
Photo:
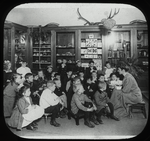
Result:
91,51
91,43
90,56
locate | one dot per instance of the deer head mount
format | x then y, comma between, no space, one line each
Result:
108,23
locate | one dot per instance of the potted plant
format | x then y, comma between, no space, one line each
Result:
132,64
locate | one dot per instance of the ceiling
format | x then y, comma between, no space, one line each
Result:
65,14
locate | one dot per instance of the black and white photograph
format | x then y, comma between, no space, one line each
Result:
75,71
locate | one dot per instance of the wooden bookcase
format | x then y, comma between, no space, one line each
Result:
15,43
40,48
68,44
87,43
142,48
43,46
129,39
119,42
7,43
66,48
91,47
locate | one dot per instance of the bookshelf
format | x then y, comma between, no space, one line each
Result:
142,48
91,47
119,44
41,49
65,47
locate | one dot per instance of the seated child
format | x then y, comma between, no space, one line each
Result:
48,72
102,103
108,70
41,81
25,112
63,68
101,78
93,84
35,89
51,102
58,91
23,70
115,82
57,75
70,81
28,79
78,106
78,67
90,69
53,75
75,80
87,87
66,78
82,77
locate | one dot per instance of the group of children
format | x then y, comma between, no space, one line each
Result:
29,95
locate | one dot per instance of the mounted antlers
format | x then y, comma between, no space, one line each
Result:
115,13
80,17
108,23
87,22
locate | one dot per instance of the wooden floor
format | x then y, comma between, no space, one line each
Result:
125,128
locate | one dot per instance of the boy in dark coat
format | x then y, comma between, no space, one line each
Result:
31,83
90,69
66,78
93,84
102,103
78,68
58,91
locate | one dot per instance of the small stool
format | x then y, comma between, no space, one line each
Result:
46,116
140,106
76,117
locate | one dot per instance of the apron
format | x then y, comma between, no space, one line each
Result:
33,113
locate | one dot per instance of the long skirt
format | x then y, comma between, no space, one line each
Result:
118,101
33,114
8,104
121,101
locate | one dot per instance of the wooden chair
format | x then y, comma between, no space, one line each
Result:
140,106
